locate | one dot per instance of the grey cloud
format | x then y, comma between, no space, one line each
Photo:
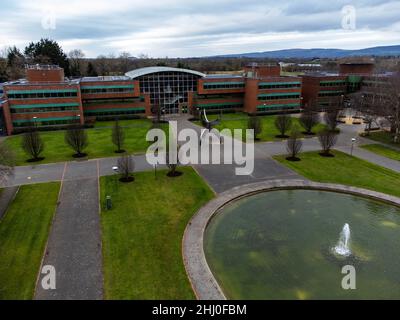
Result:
205,21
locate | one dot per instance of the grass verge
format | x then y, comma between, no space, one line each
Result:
142,234
100,144
23,235
383,151
269,132
384,137
345,169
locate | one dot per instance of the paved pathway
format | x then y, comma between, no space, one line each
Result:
74,245
223,177
54,171
220,177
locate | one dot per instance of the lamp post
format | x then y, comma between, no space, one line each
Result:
353,140
34,122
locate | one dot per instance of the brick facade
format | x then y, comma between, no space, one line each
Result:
50,100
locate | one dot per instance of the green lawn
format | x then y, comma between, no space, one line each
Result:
100,144
383,151
347,170
142,234
233,121
384,137
23,235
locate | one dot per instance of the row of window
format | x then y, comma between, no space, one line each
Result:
276,108
220,96
45,123
41,95
370,83
330,94
111,101
115,113
46,109
332,83
220,106
279,97
107,90
279,86
219,86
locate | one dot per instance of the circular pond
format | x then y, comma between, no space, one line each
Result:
293,244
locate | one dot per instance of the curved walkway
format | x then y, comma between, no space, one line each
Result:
203,282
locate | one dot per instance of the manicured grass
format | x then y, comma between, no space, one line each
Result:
383,151
384,137
269,132
23,235
142,234
347,170
100,144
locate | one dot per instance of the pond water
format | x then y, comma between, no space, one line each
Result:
281,245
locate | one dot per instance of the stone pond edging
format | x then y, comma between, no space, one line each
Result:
202,279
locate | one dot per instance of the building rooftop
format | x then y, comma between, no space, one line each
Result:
260,65
42,67
149,70
104,78
223,76
320,74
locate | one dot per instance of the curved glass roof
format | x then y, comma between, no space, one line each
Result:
149,70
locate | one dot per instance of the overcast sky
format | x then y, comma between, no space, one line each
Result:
182,28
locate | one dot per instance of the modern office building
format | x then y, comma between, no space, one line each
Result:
324,90
48,99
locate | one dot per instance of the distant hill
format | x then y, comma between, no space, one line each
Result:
319,53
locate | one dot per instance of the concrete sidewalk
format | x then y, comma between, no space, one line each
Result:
55,171
265,167
74,245
372,157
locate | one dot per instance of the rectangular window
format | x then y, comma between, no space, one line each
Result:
223,85
41,94
278,85
279,96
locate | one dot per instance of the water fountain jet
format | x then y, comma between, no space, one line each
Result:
343,246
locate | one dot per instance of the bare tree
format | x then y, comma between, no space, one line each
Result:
308,120
76,137
254,123
32,143
102,65
283,124
387,103
7,162
331,119
362,104
124,62
126,166
294,146
76,62
158,111
118,137
382,100
172,166
327,139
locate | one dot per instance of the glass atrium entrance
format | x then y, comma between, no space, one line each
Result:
168,89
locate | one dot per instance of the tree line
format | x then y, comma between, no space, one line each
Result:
76,138
308,120
76,64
